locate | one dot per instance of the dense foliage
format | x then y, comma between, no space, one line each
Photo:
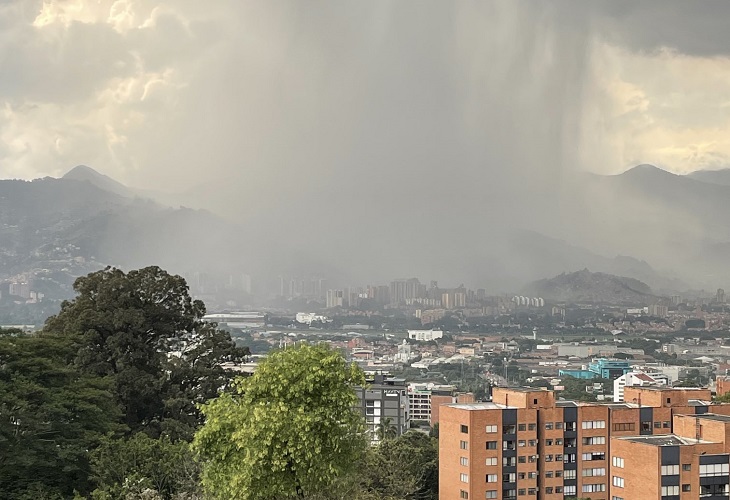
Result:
289,431
130,354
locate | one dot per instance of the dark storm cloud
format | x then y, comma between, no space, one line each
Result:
693,28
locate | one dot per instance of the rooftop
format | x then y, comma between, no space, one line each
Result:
663,440
714,416
480,406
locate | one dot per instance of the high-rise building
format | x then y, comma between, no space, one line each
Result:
384,402
720,297
525,443
402,290
335,298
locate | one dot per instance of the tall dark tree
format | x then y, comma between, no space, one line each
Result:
50,416
144,331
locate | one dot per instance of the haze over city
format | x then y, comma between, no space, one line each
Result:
369,140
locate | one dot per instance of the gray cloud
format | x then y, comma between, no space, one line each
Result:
391,137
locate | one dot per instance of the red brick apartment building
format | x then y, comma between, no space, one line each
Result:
526,444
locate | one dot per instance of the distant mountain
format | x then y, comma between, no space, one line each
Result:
82,173
585,286
536,255
721,177
73,225
675,222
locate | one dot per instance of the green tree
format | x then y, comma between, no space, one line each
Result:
289,431
50,416
403,468
121,467
385,429
143,330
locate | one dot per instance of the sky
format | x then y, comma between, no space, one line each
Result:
164,95
383,124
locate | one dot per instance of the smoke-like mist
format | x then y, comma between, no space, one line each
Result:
368,140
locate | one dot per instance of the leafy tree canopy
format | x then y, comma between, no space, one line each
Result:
50,416
144,331
289,431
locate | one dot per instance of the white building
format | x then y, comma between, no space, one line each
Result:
404,353
309,318
425,335
632,379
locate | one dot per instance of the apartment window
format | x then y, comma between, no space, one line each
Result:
509,494
521,443
669,400
594,456
549,426
558,489
714,470
593,488
558,473
491,461
670,470
594,424
508,429
670,491
463,494
569,490
666,424
617,462
570,426
626,426
548,442
618,482
569,458
464,478
559,457
532,475
594,472
549,490
509,477
521,491
491,428
594,440
521,459
464,445
645,426
522,427
531,442
686,487
465,429
549,473
509,445
548,458
491,493
686,467
491,478
558,425
532,458
531,491
558,442
520,475
617,498
509,461
531,427
464,461
569,474
534,401
657,425
491,445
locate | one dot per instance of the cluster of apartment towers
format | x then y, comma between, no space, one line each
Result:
660,443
